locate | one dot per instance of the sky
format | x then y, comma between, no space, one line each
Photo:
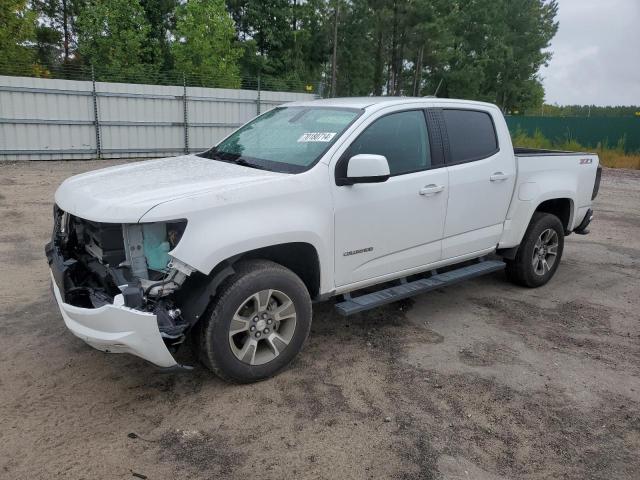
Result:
596,54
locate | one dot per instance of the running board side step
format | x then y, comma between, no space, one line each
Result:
368,301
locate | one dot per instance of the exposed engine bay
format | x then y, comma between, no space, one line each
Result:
97,262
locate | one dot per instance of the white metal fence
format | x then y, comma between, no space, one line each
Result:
43,119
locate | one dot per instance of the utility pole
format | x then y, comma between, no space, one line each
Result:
335,50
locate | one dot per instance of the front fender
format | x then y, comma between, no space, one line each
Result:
220,226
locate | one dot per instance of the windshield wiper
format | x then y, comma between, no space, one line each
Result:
245,163
210,154
238,160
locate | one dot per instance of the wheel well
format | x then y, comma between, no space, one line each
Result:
560,207
300,258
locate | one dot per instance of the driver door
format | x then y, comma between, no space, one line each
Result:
382,229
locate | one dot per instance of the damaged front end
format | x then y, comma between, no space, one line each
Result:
102,269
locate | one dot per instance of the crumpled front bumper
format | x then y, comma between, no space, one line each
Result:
116,329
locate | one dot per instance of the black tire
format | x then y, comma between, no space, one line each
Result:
213,344
521,270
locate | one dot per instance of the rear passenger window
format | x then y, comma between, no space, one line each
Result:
471,135
401,137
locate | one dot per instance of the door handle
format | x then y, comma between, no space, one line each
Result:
498,177
430,189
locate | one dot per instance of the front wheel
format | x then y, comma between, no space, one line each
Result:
258,324
539,253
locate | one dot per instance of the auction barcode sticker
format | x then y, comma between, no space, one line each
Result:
316,137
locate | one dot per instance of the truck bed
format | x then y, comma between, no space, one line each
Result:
558,175
539,152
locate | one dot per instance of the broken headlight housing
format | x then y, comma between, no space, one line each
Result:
147,247
132,253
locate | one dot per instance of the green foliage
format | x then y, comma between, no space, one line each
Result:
160,15
521,139
496,50
55,32
204,43
17,29
114,36
355,37
478,49
284,41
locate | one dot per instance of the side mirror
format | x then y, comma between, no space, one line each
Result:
365,168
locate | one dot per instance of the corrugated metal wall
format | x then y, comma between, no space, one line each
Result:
43,119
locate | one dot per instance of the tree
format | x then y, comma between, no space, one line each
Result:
17,34
311,39
529,27
161,17
386,46
264,29
477,49
286,42
114,37
497,48
355,70
55,31
205,45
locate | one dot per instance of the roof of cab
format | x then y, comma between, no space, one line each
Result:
365,102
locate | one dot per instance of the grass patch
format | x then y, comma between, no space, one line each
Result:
613,157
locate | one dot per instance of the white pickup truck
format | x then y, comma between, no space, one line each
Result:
309,201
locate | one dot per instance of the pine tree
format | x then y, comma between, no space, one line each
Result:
204,46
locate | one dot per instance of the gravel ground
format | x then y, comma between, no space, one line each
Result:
483,380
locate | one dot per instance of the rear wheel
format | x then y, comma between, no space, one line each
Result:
258,323
539,253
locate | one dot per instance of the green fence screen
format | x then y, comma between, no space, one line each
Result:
587,131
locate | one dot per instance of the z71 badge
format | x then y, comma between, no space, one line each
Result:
586,161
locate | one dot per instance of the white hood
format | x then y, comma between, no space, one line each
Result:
124,193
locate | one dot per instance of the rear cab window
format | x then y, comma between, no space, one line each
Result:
471,133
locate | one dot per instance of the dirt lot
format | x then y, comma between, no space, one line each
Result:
483,380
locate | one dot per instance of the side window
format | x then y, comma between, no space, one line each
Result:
401,137
471,135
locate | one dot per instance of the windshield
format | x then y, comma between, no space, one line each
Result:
285,139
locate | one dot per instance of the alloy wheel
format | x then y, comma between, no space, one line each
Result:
545,252
262,327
